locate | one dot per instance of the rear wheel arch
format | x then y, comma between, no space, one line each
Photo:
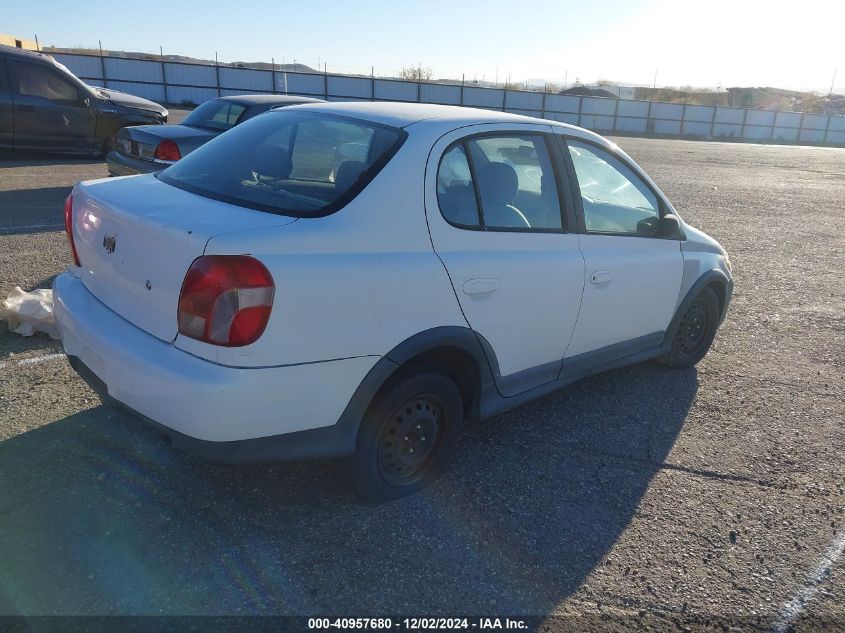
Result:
451,350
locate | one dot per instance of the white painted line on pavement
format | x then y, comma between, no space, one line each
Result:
32,361
792,609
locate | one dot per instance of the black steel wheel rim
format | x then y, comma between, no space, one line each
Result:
409,441
692,332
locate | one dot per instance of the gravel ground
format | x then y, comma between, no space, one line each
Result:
641,498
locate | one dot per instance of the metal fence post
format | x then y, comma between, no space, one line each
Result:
827,128
744,119
325,84
164,81
504,99
615,111
648,120
580,107
543,104
463,79
373,84
683,119
713,121
217,72
103,65
800,127
273,72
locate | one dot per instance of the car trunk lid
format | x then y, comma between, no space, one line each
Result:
140,141
136,238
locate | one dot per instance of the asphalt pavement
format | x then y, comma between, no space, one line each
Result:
643,498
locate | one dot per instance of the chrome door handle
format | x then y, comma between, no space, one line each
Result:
601,277
480,286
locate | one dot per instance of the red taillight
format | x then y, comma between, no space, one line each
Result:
226,300
167,150
69,228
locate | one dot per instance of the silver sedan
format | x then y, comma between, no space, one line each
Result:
144,149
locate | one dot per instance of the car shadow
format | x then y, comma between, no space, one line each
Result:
32,210
13,344
98,514
27,158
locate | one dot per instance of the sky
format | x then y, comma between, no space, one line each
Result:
705,43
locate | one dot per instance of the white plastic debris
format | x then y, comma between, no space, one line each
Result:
29,312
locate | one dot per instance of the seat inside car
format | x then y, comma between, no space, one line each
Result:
347,173
499,185
272,162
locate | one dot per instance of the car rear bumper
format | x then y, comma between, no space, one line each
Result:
222,413
123,165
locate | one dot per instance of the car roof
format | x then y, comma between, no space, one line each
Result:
255,99
5,49
402,115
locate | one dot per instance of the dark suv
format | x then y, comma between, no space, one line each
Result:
43,106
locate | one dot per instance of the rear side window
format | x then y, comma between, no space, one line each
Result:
302,164
37,80
455,190
499,182
215,115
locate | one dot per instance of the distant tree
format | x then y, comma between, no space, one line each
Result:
416,73
812,103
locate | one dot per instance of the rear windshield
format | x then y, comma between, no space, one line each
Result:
216,115
302,164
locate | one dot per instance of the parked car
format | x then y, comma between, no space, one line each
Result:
149,148
261,300
43,106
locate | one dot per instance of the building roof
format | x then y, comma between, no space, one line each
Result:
584,91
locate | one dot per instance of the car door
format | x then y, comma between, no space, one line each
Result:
500,226
7,118
632,276
51,113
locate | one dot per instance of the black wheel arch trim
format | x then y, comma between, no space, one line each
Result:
711,276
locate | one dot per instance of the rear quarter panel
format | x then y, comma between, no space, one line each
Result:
355,283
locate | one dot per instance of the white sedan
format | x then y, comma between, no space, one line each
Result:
364,278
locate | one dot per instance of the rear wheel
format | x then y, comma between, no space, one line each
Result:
408,435
696,331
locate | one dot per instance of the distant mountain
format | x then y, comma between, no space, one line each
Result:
298,68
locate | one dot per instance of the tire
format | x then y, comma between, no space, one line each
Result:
408,435
695,332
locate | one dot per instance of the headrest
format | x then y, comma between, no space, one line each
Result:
348,172
498,183
272,162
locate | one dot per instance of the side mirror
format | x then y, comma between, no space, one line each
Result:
669,227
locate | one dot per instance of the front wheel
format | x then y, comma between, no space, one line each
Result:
696,331
407,436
